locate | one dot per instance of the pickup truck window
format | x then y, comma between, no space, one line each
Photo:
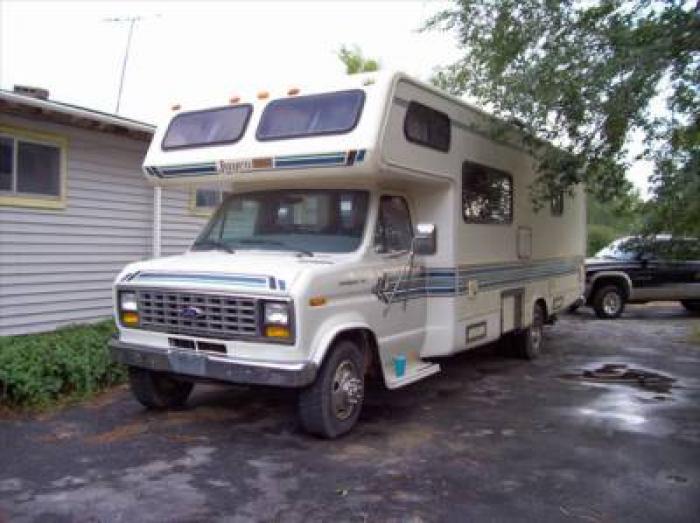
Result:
224,125
301,116
301,220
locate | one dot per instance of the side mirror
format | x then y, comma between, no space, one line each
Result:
425,239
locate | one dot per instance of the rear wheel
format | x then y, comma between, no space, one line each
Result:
156,390
528,342
331,406
609,302
691,305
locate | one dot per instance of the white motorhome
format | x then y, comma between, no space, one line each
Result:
367,229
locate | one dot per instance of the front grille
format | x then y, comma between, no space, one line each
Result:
210,315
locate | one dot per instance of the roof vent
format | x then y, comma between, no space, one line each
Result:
33,92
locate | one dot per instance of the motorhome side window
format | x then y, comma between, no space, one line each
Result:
428,127
318,114
394,231
557,203
224,125
487,194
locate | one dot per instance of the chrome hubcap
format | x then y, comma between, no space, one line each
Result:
611,303
346,390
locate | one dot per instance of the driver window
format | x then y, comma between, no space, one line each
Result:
394,231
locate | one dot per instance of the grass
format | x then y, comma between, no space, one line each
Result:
41,370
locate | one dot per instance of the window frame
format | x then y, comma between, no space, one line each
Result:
198,210
13,198
425,143
557,210
511,199
277,101
390,253
244,128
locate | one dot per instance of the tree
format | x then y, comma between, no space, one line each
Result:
587,77
355,62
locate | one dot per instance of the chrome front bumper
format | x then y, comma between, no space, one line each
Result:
211,366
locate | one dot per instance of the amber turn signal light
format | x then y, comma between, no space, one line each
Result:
276,331
130,319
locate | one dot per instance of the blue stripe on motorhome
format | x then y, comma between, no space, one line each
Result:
245,281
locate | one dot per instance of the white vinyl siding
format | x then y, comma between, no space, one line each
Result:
57,265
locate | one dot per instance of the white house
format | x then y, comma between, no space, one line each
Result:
74,208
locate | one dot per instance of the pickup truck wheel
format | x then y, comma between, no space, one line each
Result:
608,302
691,305
528,342
155,390
331,405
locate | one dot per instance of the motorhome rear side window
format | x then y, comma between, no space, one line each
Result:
487,194
224,125
428,127
318,114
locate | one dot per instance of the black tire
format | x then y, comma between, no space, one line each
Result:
339,383
156,390
527,343
608,302
691,305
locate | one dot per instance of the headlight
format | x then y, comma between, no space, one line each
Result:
127,301
128,309
276,320
276,314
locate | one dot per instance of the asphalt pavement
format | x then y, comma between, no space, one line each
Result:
605,426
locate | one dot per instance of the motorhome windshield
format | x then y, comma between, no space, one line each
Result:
224,125
328,113
303,221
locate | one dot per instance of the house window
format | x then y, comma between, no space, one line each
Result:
487,194
31,169
428,127
206,200
557,203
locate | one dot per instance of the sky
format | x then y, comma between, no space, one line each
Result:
186,52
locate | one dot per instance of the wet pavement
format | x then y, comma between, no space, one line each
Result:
604,427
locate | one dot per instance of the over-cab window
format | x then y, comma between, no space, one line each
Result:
328,113
224,125
487,194
428,127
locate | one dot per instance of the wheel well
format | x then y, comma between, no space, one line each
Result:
365,339
609,280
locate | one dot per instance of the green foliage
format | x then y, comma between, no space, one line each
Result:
355,62
586,76
598,237
71,362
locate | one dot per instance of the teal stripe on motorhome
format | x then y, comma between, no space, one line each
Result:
446,281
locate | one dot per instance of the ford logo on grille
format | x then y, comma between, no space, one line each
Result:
191,313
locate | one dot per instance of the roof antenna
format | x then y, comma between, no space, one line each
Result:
131,20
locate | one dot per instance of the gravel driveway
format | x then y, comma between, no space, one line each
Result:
604,427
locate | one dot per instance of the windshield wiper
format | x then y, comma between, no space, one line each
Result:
275,242
208,245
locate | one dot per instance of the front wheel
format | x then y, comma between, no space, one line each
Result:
156,390
608,302
331,405
528,342
691,305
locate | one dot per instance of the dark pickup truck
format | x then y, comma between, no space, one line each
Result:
637,270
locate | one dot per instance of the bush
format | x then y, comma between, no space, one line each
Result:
71,362
599,236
